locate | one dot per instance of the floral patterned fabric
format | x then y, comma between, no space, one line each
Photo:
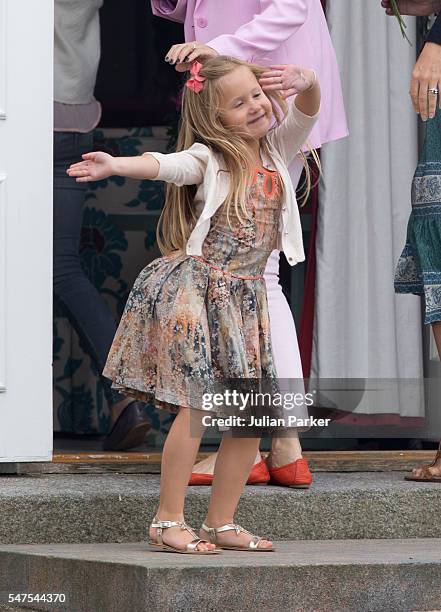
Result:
419,267
191,322
117,240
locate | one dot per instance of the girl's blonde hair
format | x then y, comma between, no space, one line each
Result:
200,122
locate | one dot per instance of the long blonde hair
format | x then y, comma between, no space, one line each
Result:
200,122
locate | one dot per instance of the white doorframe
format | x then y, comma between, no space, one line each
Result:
26,68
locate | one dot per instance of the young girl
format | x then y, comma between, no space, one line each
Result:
198,315
276,31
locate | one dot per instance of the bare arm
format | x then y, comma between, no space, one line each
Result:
97,166
308,102
426,75
182,168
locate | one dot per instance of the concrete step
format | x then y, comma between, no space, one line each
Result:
56,508
328,576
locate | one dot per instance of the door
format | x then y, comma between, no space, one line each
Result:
26,67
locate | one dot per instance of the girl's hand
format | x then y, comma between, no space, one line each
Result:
94,167
184,54
288,79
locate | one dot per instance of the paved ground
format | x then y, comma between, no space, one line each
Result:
324,576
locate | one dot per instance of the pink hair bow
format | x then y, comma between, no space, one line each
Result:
195,83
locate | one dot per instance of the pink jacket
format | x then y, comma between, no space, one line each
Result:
269,31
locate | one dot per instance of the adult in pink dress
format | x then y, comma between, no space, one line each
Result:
270,32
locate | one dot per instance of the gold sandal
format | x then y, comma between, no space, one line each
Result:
426,475
252,546
190,548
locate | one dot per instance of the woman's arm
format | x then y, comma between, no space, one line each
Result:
174,10
427,71
265,32
182,168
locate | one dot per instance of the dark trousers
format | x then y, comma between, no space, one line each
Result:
85,308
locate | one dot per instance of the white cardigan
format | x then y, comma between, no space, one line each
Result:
199,165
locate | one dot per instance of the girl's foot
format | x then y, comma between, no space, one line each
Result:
178,537
235,537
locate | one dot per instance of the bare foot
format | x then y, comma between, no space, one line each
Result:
284,451
179,538
206,466
231,538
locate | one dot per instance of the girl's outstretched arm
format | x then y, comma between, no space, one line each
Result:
99,165
182,168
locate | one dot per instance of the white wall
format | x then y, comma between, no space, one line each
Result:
26,66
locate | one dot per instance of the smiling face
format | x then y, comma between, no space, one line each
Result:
245,109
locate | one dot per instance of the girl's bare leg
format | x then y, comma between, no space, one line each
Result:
435,469
178,456
234,462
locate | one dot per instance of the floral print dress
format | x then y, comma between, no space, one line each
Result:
419,267
193,323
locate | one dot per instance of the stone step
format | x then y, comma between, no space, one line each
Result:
343,576
149,462
118,507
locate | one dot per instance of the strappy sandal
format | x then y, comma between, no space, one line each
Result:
427,475
190,548
252,546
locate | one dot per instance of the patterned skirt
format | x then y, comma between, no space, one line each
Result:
419,267
190,330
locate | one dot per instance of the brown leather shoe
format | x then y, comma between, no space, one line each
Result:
129,429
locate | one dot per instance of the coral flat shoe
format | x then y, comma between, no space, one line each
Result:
259,475
295,474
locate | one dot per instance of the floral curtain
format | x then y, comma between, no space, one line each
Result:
117,241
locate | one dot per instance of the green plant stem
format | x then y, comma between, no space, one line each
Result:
400,19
